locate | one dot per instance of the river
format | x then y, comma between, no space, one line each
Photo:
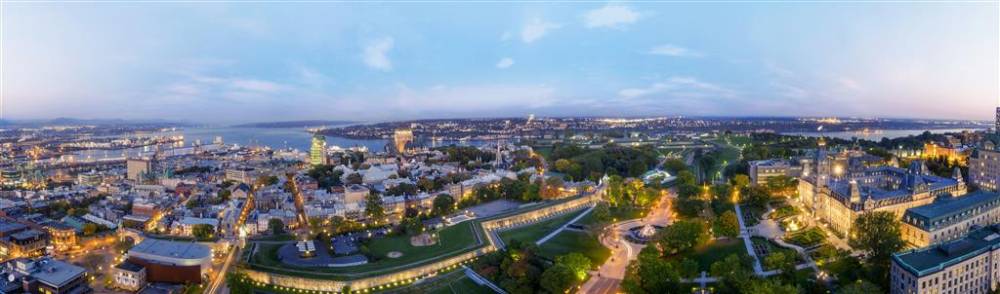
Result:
875,135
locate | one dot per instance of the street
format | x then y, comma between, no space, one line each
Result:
608,277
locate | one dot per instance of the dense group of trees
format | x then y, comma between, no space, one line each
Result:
521,189
630,193
878,234
326,176
579,163
520,269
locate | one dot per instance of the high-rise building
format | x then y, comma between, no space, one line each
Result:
984,169
317,152
138,168
402,137
996,128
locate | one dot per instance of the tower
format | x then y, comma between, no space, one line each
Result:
996,128
401,138
317,151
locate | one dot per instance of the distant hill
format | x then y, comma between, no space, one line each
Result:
294,124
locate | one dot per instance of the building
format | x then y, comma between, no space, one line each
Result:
762,170
26,243
950,218
246,175
138,168
46,276
401,140
186,225
966,265
355,193
838,197
996,128
61,236
317,151
91,178
949,151
129,276
984,169
171,262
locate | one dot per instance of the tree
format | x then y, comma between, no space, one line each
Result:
355,179
783,261
740,180
444,204
562,165
551,188
860,287
682,236
733,272
651,274
726,224
203,231
224,195
89,229
276,226
373,207
602,214
558,278
878,234
771,287
577,262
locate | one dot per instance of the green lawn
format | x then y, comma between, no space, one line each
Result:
453,282
573,241
717,250
533,232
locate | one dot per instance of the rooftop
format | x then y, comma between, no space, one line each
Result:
128,266
945,207
932,259
188,250
56,273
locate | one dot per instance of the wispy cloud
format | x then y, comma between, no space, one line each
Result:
610,16
673,50
505,62
536,29
686,87
375,54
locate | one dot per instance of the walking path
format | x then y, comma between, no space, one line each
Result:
745,234
482,281
563,227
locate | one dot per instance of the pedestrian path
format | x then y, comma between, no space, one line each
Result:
563,227
745,234
481,280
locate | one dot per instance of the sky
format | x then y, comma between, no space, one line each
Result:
251,62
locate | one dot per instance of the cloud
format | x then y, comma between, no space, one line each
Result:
849,84
536,29
505,63
684,87
474,98
374,54
610,16
673,50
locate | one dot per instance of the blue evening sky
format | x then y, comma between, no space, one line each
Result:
238,62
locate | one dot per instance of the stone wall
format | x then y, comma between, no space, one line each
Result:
412,274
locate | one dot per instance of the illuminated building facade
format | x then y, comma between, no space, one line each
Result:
401,138
984,169
966,265
839,199
317,151
949,218
138,168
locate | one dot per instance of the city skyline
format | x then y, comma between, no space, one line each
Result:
230,63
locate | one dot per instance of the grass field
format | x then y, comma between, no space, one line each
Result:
717,250
533,232
460,286
573,241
